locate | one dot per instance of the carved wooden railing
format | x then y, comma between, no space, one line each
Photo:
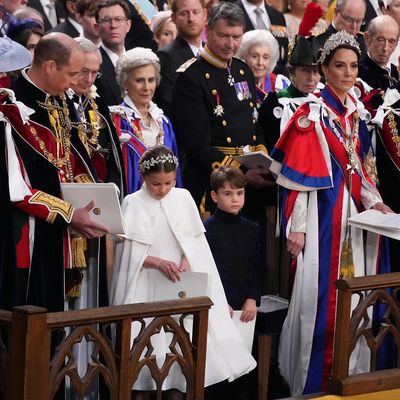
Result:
31,367
373,291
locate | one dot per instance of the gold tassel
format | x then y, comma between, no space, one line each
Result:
79,246
346,260
73,280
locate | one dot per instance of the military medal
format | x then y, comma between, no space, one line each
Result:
242,90
218,109
231,79
255,114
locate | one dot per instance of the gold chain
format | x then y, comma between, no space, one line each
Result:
159,137
61,126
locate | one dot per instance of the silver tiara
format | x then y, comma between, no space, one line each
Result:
335,40
161,159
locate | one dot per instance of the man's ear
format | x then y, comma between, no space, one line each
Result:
49,66
71,7
129,24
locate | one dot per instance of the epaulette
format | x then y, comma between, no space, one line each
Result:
239,59
186,65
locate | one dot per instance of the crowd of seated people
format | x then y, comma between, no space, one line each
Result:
160,99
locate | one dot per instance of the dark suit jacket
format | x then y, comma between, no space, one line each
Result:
319,41
280,33
171,58
67,28
140,34
60,12
107,86
377,77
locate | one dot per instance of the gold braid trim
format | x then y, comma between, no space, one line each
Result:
51,217
54,205
394,132
83,178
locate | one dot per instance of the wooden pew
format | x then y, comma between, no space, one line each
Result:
30,367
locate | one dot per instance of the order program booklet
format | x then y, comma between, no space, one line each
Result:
256,159
106,211
192,284
378,222
246,329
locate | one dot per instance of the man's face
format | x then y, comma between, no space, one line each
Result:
224,40
88,73
13,5
383,43
113,26
61,79
190,18
305,78
88,22
351,18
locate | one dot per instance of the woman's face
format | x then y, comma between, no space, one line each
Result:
394,10
258,59
166,35
32,42
341,72
141,85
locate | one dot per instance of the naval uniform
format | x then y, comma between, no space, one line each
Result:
216,117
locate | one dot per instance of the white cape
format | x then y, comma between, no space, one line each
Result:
227,356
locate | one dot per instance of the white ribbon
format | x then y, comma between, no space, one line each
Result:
17,186
287,111
391,97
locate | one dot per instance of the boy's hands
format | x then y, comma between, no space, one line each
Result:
249,310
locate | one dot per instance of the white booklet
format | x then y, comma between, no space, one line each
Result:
192,284
256,159
107,210
377,222
246,329
270,303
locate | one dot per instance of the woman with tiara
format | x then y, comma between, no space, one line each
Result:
324,162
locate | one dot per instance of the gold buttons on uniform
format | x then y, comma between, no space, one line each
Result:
207,75
228,139
254,137
241,72
251,104
224,123
214,92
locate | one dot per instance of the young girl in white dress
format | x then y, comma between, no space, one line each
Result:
164,232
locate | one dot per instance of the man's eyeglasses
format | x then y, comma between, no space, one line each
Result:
110,20
351,20
87,72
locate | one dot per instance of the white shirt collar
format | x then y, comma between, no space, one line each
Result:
113,56
195,49
76,25
249,7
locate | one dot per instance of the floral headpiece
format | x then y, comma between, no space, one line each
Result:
338,39
161,159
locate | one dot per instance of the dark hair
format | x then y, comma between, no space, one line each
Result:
157,159
173,4
233,176
51,48
109,3
231,13
83,6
